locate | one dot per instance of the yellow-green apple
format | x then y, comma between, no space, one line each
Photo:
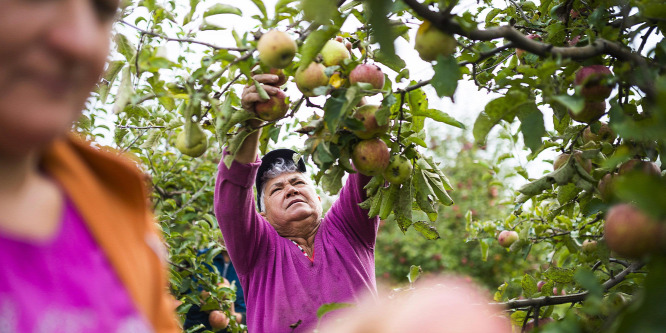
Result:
276,49
371,156
431,42
192,141
589,246
334,52
310,78
507,237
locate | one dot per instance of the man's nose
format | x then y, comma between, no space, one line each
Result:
291,190
75,29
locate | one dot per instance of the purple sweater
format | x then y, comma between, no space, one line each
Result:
281,285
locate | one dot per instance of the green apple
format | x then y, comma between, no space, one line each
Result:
507,237
398,170
192,141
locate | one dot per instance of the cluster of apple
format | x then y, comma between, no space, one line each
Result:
595,84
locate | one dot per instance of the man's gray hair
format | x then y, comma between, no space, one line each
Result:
278,168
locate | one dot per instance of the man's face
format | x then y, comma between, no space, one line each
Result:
291,203
52,54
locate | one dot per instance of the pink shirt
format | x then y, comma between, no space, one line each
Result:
63,285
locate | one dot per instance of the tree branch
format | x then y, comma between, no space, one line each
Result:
598,47
182,40
572,298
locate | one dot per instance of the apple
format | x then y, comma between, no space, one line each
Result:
348,45
218,320
631,233
272,109
311,77
431,42
493,192
520,52
593,81
371,156
398,170
649,168
562,159
589,246
192,141
366,114
282,78
605,186
540,285
507,237
367,73
276,49
334,52
603,134
592,111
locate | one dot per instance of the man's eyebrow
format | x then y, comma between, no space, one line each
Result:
277,184
294,179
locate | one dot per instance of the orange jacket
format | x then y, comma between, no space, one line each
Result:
110,195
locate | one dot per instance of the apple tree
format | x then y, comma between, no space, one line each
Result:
581,78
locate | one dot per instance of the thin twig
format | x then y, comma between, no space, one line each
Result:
183,40
139,127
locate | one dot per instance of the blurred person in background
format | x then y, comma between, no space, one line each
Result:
444,304
78,245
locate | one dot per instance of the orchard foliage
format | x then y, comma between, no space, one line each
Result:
168,106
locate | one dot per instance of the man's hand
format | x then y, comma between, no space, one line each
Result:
250,95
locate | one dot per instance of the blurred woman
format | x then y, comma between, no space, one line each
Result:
78,248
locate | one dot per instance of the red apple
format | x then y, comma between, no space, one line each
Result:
366,114
592,111
649,168
605,186
371,156
603,134
367,73
578,155
218,320
631,233
282,78
274,108
594,82
540,285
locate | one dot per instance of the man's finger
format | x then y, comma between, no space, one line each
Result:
266,78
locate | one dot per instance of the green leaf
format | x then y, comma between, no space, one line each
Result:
332,179
108,78
560,275
414,273
315,42
319,11
125,91
574,103
125,47
531,125
261,6
503,108
382,32
333,109
393,62
427,230
222,9
440,116
328,307
529,285
447,74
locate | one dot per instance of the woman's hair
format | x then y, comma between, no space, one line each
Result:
278,168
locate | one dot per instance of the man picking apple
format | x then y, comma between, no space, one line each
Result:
291,258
